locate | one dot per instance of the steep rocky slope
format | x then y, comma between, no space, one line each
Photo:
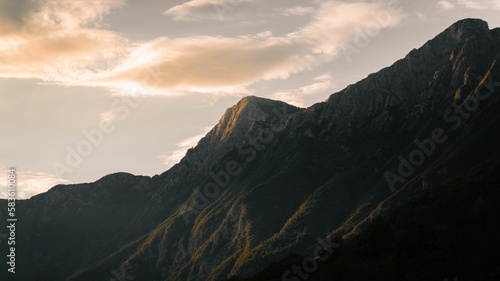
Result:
447,233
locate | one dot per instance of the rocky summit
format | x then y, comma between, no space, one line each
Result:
271,179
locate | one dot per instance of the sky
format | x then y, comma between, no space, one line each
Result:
93,87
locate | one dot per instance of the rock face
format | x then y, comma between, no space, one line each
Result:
271,178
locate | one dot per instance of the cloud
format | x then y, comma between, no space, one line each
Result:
56,40
337,23
59,56
69,46
210,63
107,116
29,183
297,97
216,63
182,147
446,5
480,5
11,15
33,17
206,9
421,16
298,11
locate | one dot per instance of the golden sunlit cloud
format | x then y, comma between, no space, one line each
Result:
60,56
218,64
56,40
69,47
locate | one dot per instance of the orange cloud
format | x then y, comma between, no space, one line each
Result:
68,46
211,62
218,63
55,40
60,57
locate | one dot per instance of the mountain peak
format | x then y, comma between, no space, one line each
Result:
249,110
237,123
470,23
253,100
466,28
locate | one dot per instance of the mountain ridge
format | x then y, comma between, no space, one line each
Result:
339,109
303,173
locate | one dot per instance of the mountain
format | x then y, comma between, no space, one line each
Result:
271,179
